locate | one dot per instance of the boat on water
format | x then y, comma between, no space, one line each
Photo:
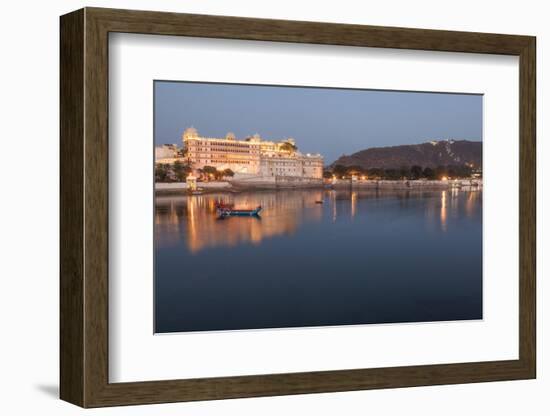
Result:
231,212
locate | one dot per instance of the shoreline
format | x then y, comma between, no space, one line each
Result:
179,188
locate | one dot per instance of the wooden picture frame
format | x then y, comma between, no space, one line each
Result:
84,207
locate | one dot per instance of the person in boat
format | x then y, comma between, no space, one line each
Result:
222,205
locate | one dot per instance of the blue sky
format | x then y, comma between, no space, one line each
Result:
321,120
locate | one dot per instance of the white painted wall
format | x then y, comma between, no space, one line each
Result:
29,220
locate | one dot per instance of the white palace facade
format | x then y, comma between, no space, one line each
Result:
251,156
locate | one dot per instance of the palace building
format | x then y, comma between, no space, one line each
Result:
251,156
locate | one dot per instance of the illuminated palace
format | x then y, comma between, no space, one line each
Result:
251,156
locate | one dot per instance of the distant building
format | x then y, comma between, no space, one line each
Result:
477,173
251,156
166,153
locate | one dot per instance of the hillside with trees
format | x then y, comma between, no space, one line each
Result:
427,155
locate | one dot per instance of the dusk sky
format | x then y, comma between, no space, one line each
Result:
321,120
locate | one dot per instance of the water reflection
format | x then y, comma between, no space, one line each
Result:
193,219
361,256
353,204
443,210
473,199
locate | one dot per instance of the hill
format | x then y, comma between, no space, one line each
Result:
430,154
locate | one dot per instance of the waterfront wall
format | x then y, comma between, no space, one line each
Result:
275,182
289,182
167,187
408,184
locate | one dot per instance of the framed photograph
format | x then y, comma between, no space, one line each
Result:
255,207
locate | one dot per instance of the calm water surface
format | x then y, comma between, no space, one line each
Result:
360,257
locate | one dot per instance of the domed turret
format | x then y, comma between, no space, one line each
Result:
190,133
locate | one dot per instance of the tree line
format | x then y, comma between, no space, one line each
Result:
179,171
414,172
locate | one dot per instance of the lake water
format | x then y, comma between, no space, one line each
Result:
361,257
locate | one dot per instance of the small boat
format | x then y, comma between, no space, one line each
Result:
230,212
